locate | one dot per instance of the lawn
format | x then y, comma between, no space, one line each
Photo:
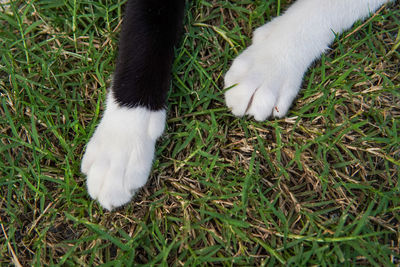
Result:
319,187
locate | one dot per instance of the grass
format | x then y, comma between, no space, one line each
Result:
319,187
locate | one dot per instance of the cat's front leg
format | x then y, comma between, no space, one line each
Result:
119,156
267,76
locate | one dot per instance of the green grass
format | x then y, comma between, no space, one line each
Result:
319,187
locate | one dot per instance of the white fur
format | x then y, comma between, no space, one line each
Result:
268,74
119,156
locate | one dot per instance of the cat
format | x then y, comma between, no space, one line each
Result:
264,79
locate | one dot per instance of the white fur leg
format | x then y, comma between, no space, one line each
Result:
119,155
267,76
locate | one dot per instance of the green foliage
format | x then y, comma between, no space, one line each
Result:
320,187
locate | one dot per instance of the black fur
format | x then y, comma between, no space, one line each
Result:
149,33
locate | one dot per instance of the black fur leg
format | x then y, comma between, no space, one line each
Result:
149,33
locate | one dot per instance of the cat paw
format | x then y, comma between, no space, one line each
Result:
267,76
119,156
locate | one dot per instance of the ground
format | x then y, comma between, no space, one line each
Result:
318,187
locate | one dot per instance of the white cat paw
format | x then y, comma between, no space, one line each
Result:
119,156
267,76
